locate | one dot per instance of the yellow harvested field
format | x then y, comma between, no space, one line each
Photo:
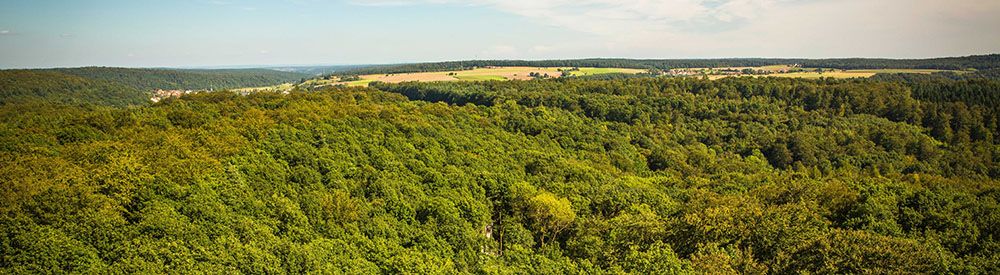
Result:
906,71
830,73
480,74
512,73
275,88
775,68
593,71
856,73
396,78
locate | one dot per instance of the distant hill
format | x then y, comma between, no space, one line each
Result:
149,79
124,86
980,62
319,70
55,86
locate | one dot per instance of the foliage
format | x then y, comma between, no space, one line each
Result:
550,215
350,78
566,175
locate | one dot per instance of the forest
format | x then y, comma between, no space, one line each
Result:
609,174
125,86
54,87
980,62
186,79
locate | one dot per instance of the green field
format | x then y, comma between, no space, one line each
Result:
363,82
274,88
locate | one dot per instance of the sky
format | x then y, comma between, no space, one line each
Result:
212,33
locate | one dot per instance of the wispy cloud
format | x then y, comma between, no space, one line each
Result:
629,26
608,17
772,27
6,32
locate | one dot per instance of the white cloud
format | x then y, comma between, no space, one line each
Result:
808,28
4,32
607,17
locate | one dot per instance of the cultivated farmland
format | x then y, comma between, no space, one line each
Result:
482,74
854,73
793,72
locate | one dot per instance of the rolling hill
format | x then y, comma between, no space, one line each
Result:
125,86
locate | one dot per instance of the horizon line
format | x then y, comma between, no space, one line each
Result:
303,65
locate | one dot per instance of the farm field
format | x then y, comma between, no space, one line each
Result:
522,73
593,71
273,88
855,73
832,74
479,77
481,74
810,73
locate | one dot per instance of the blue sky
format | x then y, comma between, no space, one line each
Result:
191,33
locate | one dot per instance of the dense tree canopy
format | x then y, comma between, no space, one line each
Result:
635,175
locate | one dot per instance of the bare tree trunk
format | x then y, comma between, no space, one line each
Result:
500,232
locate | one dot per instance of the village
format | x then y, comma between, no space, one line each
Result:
159,94
735,71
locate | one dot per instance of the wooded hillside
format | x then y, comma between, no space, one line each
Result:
125,86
